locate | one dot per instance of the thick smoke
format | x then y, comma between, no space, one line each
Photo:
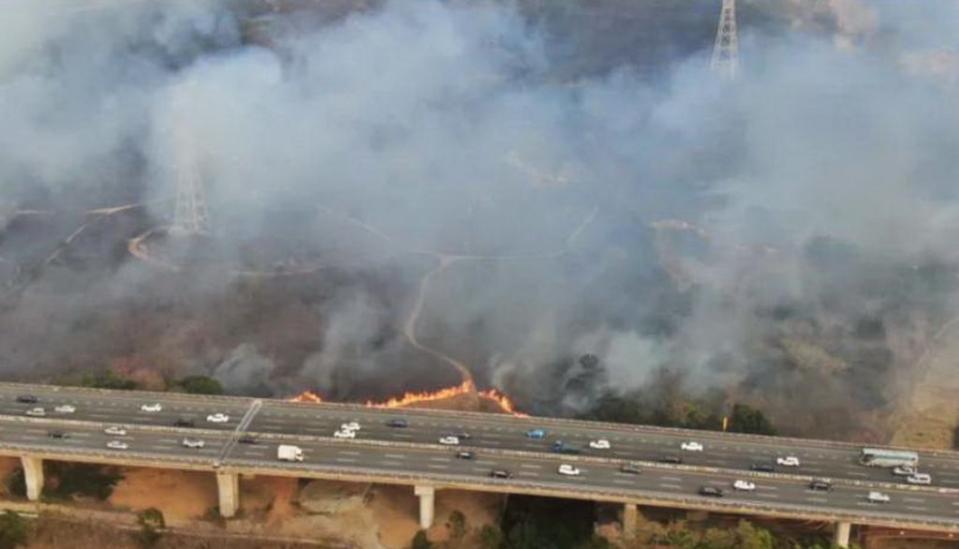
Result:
809,206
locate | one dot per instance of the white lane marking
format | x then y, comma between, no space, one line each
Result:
482,462
674,479
345,460
402,435
530,466
916,508
914,500
348,452
392,463
481,469
671,486
621,481
494,442
395,456
857,474
817,500
435,466
443,459
762,487
771,496
528,474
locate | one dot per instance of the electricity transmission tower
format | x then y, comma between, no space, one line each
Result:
725,61
191,215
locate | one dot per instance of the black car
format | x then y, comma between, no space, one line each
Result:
710,491
398,423
560,447
184,422
56,434
820,485
27,399
465,454
763,467
630,468
247,439
675,460
500,473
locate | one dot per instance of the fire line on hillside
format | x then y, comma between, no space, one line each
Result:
411,398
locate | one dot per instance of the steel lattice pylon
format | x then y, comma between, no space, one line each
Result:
191,215
725,61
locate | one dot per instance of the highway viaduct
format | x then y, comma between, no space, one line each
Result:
412,456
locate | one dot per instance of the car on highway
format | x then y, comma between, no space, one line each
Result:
218,418
397,423
536,434
568,470
344,433
117,445
154,407
599,444
460,434
763,467
744,485
465,454
710,491
192,443
449,440
56,434
184,422
630,469
351,426
501,473
877,497
673,460
919,478
560,447
115,431
788,461
65,409
36,412
820,485
904,471
27,399
247,439
691,446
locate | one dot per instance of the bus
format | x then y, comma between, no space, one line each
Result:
878,457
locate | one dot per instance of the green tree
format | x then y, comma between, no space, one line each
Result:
107,379
83,479
490,537
200,385
746,419
151,523
13,530
420,541
457,525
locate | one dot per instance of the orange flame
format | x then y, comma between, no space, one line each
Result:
410,398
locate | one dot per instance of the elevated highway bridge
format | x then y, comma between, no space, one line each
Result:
413,456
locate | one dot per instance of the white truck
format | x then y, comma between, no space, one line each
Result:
288,452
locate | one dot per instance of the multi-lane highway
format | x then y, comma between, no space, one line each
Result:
412,455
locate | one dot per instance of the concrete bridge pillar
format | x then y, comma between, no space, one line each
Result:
228,485
33,474
840,536
426,495
630,518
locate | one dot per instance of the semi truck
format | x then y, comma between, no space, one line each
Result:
288,452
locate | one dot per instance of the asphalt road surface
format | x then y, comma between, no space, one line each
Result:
724,459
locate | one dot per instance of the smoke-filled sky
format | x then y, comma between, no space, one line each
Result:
503,128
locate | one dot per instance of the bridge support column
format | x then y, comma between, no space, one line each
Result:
840,536
228,485
630,518
33,475
426,495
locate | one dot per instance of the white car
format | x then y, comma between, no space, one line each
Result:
449,440
65,409
115,431
344,433
904,471
601,444
788,461
36,412
193,443
568,470
919,478
744,485
218,418
155,407
691,446
351,426
117,445
877,497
